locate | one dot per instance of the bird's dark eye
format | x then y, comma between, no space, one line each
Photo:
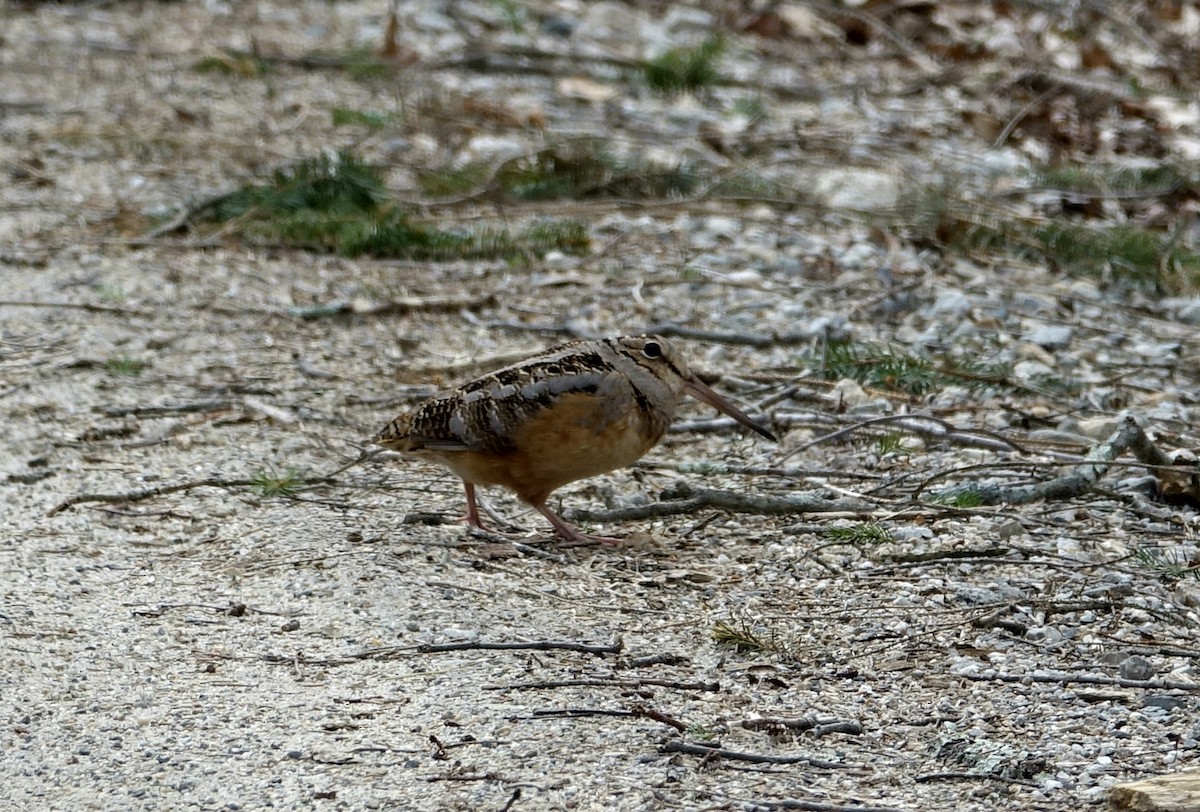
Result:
652,349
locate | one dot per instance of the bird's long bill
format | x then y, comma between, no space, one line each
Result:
701,392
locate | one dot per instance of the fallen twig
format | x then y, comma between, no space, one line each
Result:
614,647
712,687
175,408
85,306
395,307
662,658
659,716
148,493
684,498
207,482
672,330
817,727
817,806
947,555
1086,679
710,751
571,713
924,426
1127,437
951,776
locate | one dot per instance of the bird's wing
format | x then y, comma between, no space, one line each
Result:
489,414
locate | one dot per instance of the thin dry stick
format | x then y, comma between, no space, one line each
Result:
818,727
951,776
710,687
710,751
1128,437
924,425
817,806
148,493
85,306
659,716
614,647
687,499
207,482
1087,679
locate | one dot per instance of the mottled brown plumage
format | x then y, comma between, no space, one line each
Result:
575,411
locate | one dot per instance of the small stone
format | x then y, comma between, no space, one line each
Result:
1175,791
858,255
1190,312
857,189
558,26
1097,428
1164,701
911,533
951,303
1049,336
1136,667
1031,372
1188,595
848,393
1113,657
729,227
1047,635
684,17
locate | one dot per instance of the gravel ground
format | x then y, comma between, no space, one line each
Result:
235,643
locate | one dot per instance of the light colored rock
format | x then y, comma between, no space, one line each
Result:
1050,336
848,393
1176,792
858,189
951,303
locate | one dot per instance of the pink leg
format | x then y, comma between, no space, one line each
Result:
472,508
567,531
473,519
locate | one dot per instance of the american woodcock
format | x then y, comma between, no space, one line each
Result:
575,411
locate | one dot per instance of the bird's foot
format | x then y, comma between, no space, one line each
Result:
572,534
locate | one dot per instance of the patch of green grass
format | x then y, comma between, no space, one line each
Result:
274,483
123,365
892,444
1151,180
346,117
1146,257
886,367
685,70
329,184
744,639
880,367
1132,252
1168,564
958,498
862,533
339,204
